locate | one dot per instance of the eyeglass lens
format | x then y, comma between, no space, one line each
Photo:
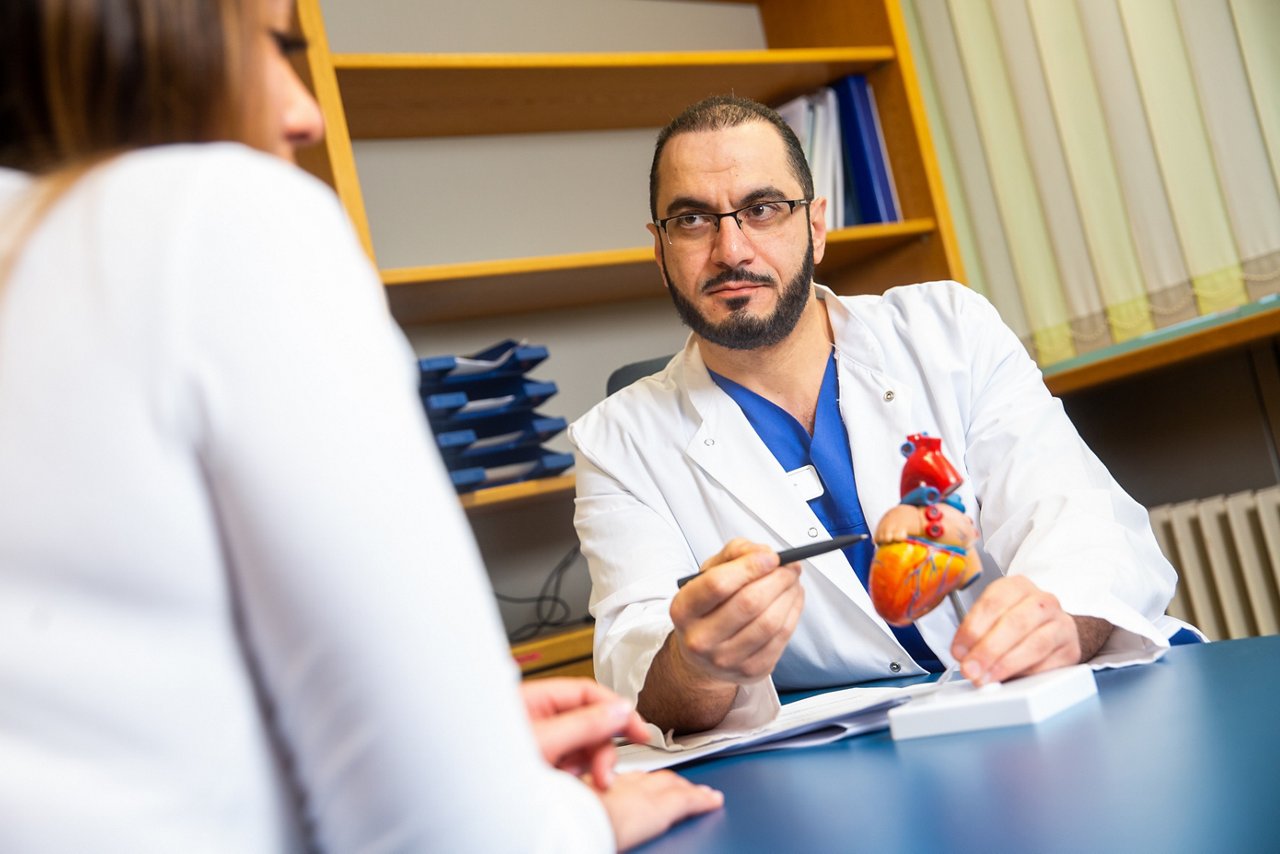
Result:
757,219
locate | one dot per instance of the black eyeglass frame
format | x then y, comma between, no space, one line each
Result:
717,217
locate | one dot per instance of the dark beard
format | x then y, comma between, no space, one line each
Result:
742,331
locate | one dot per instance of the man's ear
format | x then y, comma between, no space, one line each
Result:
818,224
658,256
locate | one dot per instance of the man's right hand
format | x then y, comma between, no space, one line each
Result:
734,619
732,623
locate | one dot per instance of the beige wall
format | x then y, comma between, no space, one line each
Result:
471,26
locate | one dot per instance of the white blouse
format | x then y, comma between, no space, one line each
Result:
240,607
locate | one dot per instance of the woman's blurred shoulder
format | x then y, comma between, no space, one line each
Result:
242,174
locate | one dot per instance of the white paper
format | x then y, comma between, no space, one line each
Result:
814,720
799,116
826,159
1127,658
492,441
507,472
488,403
466,365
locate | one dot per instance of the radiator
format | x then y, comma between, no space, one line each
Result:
1227,553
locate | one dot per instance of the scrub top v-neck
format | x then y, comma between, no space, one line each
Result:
828,452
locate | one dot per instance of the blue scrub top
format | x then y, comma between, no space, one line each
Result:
828,451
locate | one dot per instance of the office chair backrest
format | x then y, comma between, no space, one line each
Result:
627,374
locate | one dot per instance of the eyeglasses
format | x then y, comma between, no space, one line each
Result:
689,230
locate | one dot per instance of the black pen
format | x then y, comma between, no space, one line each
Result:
801,552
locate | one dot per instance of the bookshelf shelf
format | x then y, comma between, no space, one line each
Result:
389,96
564,653
1203,336
886,255
458,291
525,492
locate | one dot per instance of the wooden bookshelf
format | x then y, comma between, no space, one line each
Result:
810,43
398,95
457,291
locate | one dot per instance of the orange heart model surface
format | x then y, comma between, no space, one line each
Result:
925,545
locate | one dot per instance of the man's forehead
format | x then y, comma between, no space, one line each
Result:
753,151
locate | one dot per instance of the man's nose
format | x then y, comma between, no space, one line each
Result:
732,247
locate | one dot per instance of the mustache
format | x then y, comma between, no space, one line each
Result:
737,275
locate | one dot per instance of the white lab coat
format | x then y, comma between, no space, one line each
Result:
669,469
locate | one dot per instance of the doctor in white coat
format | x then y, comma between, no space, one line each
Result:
674,476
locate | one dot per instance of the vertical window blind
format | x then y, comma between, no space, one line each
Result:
1113,165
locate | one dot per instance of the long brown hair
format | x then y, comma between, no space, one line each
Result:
84,80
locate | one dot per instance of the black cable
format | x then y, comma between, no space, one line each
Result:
552,611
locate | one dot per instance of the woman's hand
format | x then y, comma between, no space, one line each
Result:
642,806
574,723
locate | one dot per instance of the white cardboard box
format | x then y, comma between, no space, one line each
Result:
960,707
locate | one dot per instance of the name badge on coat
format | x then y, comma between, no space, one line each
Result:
806,483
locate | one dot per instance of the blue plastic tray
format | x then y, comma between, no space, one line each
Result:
506,359
513,466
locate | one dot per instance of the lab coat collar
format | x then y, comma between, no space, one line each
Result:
854,341
726,447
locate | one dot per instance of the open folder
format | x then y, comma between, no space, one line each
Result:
814,720
939,709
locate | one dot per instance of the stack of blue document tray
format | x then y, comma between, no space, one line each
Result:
483,411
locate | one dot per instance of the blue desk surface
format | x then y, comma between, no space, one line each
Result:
1178,756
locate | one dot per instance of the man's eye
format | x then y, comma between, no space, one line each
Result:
762,212
690,222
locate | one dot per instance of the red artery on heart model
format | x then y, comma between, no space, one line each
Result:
925,545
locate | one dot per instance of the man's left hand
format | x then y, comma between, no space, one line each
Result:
1016,629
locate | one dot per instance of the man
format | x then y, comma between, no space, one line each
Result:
779,424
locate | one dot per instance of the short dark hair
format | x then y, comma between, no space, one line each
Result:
726,111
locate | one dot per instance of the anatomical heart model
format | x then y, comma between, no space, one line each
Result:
925,545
